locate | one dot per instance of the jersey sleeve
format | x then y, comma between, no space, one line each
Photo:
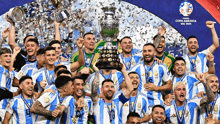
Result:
88,86
166,75
22,72
67,100
10,105
47,98
206,51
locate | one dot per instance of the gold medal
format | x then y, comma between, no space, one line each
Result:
139,105
180,113
197,60
216,108
86,107
150,73
156,73
187,63
126,104
132,62
193,60
74,119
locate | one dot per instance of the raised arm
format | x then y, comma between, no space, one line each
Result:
5,34
210,58
210,95
57,30
129,86
74,66
11,38
215,39
95,85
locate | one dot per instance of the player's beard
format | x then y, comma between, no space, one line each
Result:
149,60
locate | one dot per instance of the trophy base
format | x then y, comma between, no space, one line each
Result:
109,65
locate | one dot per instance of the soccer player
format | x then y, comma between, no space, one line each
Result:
116,77
47,103
138,102
106,108
6,74
30,69
151,76
158,114
197,60
185,111
90,54
128,57
20,105
73,114
133,118
46,74
213,107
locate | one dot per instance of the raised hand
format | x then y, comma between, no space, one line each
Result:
9,20
200,77
150,87
5,33
16,50
80,42
210,24
162,30
210,57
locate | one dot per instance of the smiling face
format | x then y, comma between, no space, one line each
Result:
32,48
57,48
213,83
27,87
78,87
89,41
158,115
126,45
161,46
192,45
148,53
179,68
5,60
50,57
180,93
135,80
108,90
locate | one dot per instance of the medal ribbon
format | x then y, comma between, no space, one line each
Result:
78,113
8,79
147,74
110,77
29,106
213,105
26,58
182,78
131,108
191,62
47,76
163,58
111,113
123,60
85,58
180,119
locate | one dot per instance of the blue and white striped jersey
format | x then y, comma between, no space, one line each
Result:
212,108
102,110
27,70
129,62
191,83
20,111
138,103
188,113
117,78
72,117
50,101
200,62
43,74
156,74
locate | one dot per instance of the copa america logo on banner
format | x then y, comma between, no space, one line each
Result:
186,8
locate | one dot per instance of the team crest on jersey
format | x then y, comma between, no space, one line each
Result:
86,107
174,115
74,119
156,73
126,104
197,60
21,74
216,108
187,112
143,74
139,105
113,104
132,62
20,107
46,99
114,79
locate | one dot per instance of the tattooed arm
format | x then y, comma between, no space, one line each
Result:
210,58
210,95
95,85
38,108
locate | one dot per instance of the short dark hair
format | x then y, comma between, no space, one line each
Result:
156,37
192,36
149,44
4,50
63,72
133,114
62,81
160,106
77,77
40,51
54,42
179,58
132,72
107,80
125,37
34,40
27,37
87,34
58,67
23,78
48,48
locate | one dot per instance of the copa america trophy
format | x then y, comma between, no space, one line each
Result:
108,58
16,14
